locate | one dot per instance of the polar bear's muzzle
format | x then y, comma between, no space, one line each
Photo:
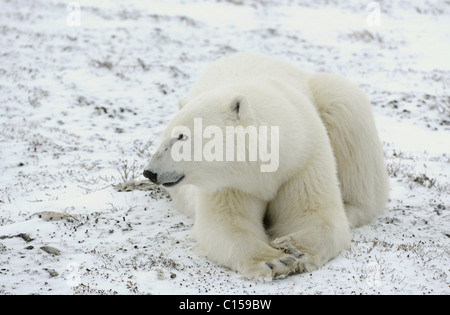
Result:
171,184
161,170
165,179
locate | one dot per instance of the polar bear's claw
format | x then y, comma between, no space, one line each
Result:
287,261
269,265
272,267
286,245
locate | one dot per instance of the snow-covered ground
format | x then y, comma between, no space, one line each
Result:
82,105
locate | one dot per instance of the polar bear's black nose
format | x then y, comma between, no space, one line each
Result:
150,175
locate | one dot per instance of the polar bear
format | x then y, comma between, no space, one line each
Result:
330,173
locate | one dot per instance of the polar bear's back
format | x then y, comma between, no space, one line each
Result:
231,68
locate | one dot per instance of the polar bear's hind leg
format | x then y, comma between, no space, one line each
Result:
346,113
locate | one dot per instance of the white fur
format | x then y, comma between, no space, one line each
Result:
265,225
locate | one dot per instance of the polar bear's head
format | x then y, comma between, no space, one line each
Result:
218,139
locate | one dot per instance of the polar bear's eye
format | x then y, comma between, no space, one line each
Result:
182,137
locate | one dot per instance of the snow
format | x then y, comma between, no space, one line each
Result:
82,106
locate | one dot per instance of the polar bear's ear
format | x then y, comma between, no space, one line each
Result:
181,103
236,105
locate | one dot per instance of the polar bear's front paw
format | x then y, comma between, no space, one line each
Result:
283,267
287,245
269,268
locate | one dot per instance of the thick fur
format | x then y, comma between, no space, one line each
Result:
347,115
331,173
